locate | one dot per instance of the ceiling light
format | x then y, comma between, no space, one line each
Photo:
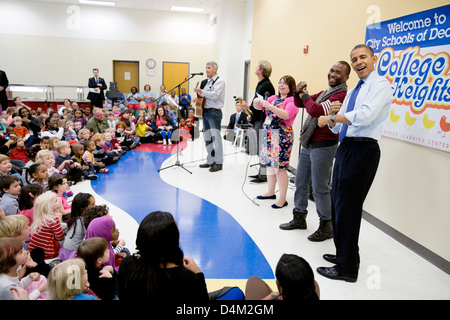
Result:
98,3
187,9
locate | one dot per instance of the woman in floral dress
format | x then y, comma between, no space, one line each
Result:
278,138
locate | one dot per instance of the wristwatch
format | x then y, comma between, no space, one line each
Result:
332,118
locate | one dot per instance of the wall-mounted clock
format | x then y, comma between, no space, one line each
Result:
151,63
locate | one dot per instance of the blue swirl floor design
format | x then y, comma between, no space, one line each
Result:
212,237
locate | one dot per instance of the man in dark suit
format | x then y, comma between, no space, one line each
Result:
4,83
238,118
97,87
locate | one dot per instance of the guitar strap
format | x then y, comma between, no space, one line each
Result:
205,82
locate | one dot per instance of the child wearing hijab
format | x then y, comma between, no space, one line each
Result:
104,227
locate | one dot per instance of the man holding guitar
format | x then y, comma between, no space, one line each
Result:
212,92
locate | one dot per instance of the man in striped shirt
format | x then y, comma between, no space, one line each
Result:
319,147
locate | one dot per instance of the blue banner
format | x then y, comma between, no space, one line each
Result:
413,54
423,29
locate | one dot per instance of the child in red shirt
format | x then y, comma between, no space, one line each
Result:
20,152
46,230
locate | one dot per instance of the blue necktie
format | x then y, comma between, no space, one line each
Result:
350,107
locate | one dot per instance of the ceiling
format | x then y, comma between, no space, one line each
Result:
158,5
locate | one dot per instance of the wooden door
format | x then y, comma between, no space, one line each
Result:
126,74
175,73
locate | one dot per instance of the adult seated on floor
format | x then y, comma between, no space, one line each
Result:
160,271
98,123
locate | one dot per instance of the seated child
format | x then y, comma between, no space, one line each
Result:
47,227
143,131
111,119
126,137
77,126
18,226
165,129
84,135
59,277
108,146
99,154
102,279
20,130
32,153
143,110
58,184
64,163
87,169
76,229
79,117
127,117
69,132
27,196
88,157
115,143
6,167
44,143
9,203
46,157
185,133
192,123
9,131
19,152
37,174
104,227
13,256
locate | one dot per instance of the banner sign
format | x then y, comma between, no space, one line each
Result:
414,55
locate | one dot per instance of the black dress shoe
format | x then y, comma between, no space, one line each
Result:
253,177
205,165
332,258
332,273
215,169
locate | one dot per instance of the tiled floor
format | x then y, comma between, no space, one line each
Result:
232,236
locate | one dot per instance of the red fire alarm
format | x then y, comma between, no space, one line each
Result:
305,49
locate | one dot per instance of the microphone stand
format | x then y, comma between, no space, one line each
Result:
177,163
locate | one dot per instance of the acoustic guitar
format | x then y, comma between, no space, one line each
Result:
199,104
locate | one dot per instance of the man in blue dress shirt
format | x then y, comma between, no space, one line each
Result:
359,123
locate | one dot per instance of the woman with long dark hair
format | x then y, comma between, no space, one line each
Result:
159,270
294,279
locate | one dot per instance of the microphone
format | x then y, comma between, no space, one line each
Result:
197,74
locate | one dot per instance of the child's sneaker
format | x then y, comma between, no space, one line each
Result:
164,142
170,142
